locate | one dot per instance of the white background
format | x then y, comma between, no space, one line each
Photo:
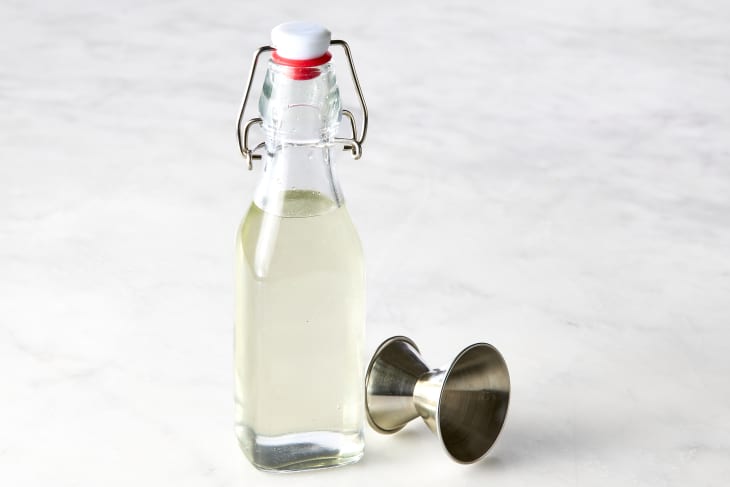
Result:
554,180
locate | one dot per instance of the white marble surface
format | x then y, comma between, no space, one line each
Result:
552,179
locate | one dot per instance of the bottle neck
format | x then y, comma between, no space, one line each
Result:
301,115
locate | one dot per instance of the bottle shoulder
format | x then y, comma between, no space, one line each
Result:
273,244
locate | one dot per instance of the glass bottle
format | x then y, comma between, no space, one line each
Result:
300,277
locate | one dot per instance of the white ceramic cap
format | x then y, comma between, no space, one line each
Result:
300,40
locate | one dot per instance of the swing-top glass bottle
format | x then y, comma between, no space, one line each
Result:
300,279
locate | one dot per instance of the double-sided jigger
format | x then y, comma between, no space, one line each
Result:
465,404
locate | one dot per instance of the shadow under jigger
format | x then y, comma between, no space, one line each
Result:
465,404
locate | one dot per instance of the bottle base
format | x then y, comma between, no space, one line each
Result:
301,451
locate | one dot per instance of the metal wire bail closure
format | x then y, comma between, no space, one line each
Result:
353,144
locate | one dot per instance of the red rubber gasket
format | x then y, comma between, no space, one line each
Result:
300,67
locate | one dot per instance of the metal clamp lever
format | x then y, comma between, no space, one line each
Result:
353,144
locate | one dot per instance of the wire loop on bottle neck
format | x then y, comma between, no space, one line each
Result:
353,144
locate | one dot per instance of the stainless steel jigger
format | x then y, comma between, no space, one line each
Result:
465,404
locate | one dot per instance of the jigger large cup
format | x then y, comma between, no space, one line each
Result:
465,404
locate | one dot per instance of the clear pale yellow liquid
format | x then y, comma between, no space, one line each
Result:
300,310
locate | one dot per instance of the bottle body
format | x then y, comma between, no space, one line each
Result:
299,336
300,309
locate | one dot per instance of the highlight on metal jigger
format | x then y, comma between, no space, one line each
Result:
465,404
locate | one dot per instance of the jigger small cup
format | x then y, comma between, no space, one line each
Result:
465,404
